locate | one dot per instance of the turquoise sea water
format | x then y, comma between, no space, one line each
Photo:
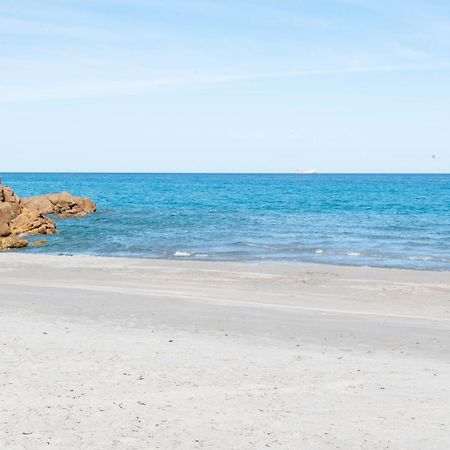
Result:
377,220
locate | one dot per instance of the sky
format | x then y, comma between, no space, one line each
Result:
225,85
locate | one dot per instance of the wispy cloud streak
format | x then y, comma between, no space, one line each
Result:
101,88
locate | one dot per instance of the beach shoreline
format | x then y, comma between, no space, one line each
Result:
193,258
103,352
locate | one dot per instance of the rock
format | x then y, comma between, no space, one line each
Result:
64,204
7,195
10,207
5,218
32,222
39,242
25,216
4,230
15,219
12,242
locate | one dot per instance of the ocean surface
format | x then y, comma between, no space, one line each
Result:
375,220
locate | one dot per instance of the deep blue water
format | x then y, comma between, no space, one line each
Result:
377,220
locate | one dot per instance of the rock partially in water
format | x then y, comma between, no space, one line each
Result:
63,204
32,222
39,243
12,241
25,216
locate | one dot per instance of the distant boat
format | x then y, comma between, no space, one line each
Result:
306,172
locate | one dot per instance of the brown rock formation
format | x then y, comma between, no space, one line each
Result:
12,241
18,217
6,216
39,242
32,222
64,204
10,207
7,195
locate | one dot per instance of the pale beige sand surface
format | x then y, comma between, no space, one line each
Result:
101,353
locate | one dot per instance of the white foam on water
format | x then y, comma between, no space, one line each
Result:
353,254
182,254
422,258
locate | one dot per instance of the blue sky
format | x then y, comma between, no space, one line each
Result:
218,86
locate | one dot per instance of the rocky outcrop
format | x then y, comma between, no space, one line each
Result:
32,222
10,207
7,195
39,243
6,216
26,216
64,204
12,241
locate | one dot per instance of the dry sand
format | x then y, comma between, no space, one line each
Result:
101,353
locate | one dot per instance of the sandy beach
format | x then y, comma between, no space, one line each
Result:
101,353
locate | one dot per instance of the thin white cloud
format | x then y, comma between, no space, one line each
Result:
33,28
109,88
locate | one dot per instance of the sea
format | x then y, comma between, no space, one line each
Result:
381,220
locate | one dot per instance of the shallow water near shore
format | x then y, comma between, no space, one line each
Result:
377,220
